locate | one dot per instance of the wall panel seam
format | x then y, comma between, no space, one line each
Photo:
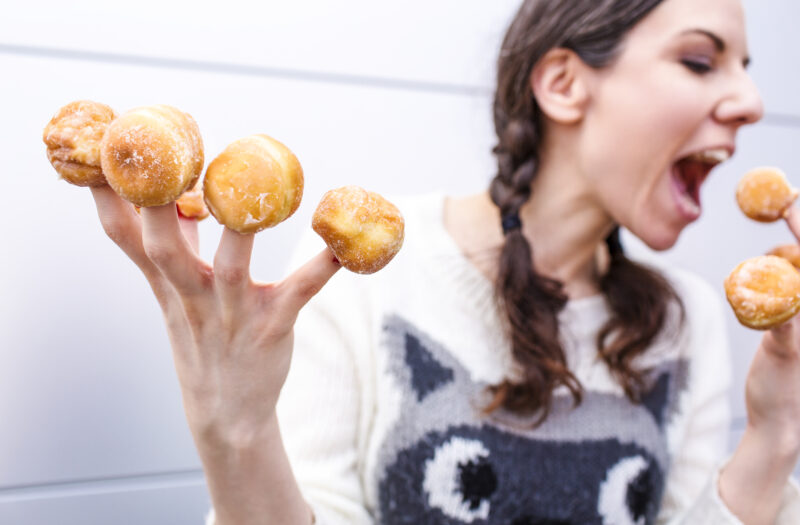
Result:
246,70
105,484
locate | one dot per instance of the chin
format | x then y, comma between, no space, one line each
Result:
660,240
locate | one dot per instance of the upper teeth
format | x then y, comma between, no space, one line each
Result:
711,155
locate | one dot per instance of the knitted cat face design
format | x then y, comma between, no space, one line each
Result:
602,463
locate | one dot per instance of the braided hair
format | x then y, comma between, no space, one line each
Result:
638,297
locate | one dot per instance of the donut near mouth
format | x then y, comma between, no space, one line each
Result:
764,291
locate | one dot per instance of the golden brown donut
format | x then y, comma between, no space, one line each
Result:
362,229
764,194
790,252
191,204
152,154
764,291
255,183
73,138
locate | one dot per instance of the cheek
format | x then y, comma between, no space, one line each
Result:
630,140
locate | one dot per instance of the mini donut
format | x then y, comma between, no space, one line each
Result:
255,183
152,154
764,194
191,204
73,138
764,291
790,252
362,229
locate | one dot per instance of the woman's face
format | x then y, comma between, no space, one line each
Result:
665,112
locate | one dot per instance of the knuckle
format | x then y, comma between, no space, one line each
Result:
231,275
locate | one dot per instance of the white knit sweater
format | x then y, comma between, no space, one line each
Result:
381,411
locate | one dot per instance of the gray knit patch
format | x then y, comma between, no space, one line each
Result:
426,373
444,463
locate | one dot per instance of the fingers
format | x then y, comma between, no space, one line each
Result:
232,267
792,216
123,225
165,245
189,229
781,340
309,279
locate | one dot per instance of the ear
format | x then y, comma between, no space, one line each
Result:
559,84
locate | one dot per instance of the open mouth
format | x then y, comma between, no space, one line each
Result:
688,175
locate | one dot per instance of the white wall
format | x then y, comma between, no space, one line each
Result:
394,97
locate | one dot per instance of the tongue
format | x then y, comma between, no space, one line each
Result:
685,190
691,173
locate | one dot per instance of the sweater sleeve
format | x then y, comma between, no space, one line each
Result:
323,407
691,494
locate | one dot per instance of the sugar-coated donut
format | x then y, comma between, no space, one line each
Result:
790,252
191,204
152,154
73,138
362,229
255,183
764,291
764,194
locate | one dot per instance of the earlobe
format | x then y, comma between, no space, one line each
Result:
558,83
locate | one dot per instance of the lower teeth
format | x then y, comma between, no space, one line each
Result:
691,205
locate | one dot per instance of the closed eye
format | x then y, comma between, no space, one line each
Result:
696,66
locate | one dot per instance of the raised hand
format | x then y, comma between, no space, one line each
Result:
231,340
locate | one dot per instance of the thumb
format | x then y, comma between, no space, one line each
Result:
309,279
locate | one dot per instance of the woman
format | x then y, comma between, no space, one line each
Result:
588,393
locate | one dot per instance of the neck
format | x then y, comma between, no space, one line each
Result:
566,229
563,223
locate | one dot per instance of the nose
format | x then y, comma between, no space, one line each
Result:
742,103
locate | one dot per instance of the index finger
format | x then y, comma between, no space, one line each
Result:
167,247
122,224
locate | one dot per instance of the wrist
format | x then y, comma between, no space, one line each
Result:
775,443
751,483
236,439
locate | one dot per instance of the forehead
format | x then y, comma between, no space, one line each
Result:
668,21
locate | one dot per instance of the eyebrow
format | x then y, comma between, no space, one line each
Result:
718,42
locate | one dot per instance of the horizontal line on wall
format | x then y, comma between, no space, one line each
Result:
101,485
775,119
246,70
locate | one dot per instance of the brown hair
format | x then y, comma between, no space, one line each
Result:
638,297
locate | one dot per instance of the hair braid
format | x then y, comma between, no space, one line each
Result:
622,338
639,298
530,301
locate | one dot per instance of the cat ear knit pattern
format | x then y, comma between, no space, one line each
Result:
381,412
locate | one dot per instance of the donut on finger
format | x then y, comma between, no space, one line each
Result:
73,139
764,194
362,229
764,291
151,155
790,252
191,204
255,183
